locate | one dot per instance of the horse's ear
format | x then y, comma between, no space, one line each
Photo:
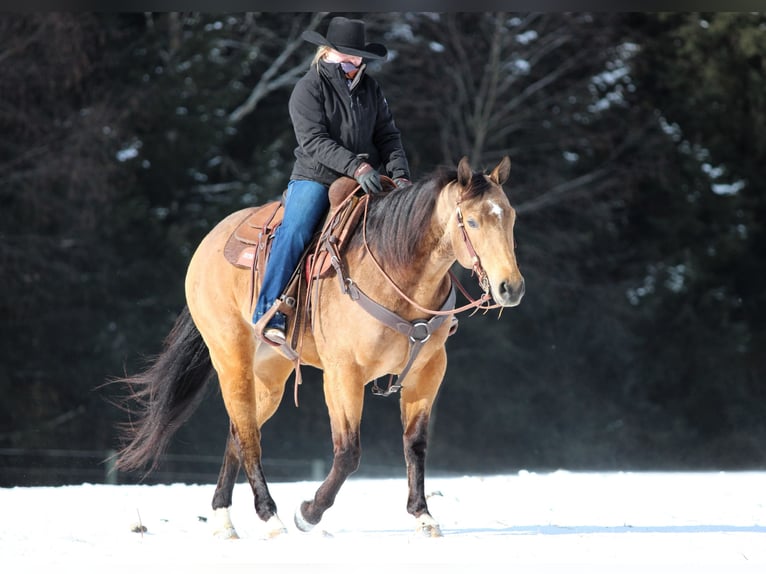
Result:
500,174
464,172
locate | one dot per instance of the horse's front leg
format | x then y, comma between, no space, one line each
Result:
344,396
417,399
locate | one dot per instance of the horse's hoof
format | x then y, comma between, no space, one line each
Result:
428,527
300,522
430,531
223,528
226,534
274,527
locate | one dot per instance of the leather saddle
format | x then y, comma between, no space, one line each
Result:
253,235
249,245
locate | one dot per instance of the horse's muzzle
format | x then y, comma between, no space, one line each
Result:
509,294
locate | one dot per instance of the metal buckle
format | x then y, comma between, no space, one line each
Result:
413,336
351,289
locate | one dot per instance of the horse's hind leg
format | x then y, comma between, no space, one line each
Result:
417,399
223,528
250,399
344,403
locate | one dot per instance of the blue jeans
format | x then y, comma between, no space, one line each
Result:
305,206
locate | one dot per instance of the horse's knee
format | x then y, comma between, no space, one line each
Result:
416,440
347,457
415,447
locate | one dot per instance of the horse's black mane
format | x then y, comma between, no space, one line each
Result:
397,222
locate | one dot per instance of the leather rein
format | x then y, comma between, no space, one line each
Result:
419,330
483,279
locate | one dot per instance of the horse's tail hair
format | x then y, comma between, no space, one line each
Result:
165,395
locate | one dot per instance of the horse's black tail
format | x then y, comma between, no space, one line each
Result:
165,395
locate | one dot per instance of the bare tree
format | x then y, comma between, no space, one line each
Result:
491,84
280,73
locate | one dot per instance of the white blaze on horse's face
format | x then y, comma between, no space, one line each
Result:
498,253
495,209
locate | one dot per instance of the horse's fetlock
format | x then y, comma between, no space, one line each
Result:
222,525
273,527
303,517
417,507
427,526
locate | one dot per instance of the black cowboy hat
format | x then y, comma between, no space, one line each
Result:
347,36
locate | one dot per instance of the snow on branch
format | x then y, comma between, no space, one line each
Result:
274,77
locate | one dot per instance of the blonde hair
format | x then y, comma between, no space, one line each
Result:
320,54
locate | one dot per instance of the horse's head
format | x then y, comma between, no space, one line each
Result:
482,231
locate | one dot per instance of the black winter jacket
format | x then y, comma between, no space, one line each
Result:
333,125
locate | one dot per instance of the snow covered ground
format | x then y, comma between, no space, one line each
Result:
557,522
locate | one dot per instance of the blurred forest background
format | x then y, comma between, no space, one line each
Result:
638,144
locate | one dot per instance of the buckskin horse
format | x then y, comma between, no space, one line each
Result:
389,311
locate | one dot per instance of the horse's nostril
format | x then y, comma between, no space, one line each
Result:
508,291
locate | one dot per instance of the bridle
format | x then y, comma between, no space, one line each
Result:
477,268
481,274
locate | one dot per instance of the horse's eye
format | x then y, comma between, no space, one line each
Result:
472,223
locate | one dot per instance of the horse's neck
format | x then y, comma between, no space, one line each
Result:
426,279
437,255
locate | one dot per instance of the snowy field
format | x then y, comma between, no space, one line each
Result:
557,522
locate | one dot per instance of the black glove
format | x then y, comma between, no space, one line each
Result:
368,178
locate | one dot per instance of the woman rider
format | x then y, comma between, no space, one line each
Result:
343,126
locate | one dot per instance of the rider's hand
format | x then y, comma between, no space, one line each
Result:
368,178
402,182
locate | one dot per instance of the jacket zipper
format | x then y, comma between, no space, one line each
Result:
355,120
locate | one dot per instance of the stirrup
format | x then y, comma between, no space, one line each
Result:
261,327
275,336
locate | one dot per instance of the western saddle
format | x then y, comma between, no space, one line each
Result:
249,246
